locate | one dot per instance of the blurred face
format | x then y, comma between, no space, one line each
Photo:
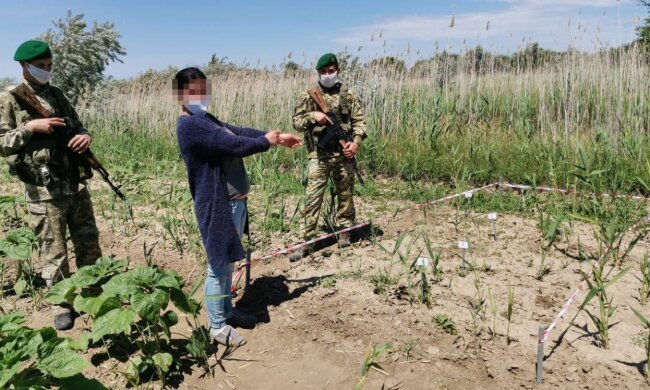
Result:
328,70
196,90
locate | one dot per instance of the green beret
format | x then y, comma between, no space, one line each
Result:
32,50
326,60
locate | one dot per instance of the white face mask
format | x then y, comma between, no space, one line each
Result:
198,104
42,76
329,80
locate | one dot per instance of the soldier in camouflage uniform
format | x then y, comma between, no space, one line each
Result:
54,176
335,161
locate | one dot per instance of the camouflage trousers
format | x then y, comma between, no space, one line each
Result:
49,220
319,171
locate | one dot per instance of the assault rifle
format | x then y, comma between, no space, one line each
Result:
65,134
27,100
333,132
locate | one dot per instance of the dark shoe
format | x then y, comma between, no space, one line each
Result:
344,240
63,320
241,319
299,253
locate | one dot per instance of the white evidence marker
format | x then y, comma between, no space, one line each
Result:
422,262
463,245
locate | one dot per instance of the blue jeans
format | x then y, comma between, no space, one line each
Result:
219,280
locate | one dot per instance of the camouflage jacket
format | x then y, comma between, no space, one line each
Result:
343,102
14,135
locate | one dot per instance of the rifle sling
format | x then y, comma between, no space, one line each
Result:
27,101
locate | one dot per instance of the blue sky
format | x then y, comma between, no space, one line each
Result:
179,33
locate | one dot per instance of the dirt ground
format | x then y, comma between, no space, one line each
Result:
318,317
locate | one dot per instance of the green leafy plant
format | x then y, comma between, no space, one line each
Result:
38,359
370,362
133,305
551,228
606,309
18,245
445,323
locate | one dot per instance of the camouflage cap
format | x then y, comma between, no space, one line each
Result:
326,60
32,50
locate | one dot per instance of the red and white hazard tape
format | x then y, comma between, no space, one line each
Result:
240,269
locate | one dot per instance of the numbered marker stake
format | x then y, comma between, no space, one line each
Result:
422,262
493,221
463,245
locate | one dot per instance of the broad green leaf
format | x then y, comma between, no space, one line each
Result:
148,306
169,281
198,343
63,364
11,321
80,382
53,346
62,292
17,244
184,303
146,277
20,286
163,361
8,373
120,285
135,366
81,344
115,321
95,305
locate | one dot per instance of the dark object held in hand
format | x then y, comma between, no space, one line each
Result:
334,132
65,134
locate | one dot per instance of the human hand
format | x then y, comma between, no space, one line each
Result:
273,137
350,149
45,126
80,143
290,140
321,118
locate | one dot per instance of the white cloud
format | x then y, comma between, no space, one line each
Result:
552,23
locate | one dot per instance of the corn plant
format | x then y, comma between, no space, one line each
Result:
370,362
509,311
39,359
551,228
646,340
606,309
494,308
435,257
644,290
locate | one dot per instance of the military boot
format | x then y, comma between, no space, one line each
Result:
344,240
63,318
299,253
